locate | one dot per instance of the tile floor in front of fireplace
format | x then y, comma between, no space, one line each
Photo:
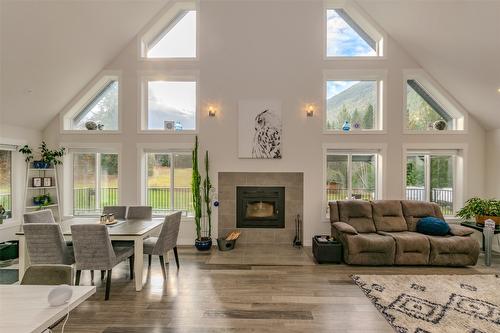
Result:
263,254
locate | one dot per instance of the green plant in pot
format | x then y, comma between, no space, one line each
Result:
48,157
3,214
481,210
42,200
202,242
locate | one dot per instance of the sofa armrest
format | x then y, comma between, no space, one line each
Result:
459,230
345,228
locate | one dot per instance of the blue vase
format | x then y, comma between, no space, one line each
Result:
346,127
205,244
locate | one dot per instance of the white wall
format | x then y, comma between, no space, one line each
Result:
254,49
493,164
16,135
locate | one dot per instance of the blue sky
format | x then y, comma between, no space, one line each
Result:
342,40
336,87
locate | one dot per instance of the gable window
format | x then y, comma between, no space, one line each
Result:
351,175
97,109
95,181
173,35
349,34
430,176
428,108
168,181
6,180
169,106
353,98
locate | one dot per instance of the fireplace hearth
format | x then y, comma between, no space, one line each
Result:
260,207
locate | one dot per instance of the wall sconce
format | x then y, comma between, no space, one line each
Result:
310,110
211,111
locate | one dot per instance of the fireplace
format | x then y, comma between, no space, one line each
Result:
260,207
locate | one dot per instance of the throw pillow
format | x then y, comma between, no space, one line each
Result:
434,226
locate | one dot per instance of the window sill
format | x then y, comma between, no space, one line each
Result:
445,132
355,58
88,132
353,132
167,132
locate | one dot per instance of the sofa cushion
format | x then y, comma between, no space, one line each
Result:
358,214
388,215
344,227
459,230
453,251
412,248
369,249
415,210
431,225
334,211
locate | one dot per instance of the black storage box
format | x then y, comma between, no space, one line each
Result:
9,250
329,251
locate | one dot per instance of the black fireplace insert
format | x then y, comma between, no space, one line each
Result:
260,207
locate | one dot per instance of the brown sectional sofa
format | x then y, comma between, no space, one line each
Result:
383,232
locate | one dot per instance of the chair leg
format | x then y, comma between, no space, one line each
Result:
108,285
102,275
176,256
91,276
162,264
77,277
131,259
149,260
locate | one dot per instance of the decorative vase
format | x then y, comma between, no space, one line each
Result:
40,165
346,127
481,218
204,244
440,125
91,125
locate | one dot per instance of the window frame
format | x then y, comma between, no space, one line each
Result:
379,149
458,114
67,185
162,21
379,75
143,115
12,149
364,21
460,164
87,94
160,148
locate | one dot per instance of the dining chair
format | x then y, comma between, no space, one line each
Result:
40,216
118,211
140,213
46,245
166,241
48,275
94,251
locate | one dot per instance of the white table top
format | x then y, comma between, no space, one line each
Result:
25,309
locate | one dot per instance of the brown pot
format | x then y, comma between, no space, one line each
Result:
481,218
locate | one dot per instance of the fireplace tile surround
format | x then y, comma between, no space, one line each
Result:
227,184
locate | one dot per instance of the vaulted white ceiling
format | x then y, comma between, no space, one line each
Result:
457,42
52,49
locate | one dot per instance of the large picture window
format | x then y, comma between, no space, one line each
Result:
6,181
430,176
95,182
168,182
351,175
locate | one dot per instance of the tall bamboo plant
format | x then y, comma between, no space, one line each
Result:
207,187
195,187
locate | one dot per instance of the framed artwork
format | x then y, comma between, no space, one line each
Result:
47,181
36,182
169,125
259,129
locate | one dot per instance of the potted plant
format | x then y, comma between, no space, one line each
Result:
48,157
3,214
202,243
42,200
207,196
482,210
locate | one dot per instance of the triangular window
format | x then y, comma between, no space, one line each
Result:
346,38
175,40
423,111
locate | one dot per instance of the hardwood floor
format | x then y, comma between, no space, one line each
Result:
239,298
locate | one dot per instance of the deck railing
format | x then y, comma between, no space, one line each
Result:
6,201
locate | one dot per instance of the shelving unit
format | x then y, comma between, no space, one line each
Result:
52,191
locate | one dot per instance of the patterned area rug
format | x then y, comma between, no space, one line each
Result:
435,303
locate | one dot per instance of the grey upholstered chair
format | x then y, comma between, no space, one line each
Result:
40,216
118,211
48,275
46,244
94,251
166,241
140,213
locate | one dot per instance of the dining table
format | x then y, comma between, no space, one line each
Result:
135,230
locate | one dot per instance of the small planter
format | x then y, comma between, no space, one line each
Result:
205,244
481,218
225,245
41,165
